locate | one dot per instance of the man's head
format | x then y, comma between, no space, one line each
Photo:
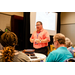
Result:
59,39
38,25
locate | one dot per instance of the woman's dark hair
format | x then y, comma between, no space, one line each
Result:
8,40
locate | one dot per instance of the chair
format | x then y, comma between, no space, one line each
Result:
74,54
48,50
52,47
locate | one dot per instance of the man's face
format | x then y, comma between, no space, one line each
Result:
38,26
55,44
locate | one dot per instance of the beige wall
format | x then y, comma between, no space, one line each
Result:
5,20
68,25
14,13
67,17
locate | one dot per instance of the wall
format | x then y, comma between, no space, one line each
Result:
5,19
67,17
5,22
68,25
14,13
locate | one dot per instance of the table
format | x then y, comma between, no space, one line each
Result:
40,57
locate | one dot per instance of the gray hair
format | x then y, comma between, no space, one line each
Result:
68,42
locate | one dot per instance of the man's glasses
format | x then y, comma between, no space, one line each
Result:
38,25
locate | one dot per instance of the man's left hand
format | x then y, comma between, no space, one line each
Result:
37,40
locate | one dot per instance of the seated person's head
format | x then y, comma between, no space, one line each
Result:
68,42
8,40
59,39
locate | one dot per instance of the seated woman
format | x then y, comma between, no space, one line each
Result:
69,45
9,54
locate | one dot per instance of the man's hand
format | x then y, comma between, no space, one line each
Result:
37,40
31,40
41,41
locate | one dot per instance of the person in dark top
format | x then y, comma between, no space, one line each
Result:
9,54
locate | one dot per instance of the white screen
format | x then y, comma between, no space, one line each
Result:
48,19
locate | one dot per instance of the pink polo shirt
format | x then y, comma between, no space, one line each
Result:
43,34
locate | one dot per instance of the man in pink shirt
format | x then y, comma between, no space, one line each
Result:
40,39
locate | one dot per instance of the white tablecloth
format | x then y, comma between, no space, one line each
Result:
40,58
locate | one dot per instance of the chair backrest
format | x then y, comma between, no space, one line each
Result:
74,54
52,47
48,50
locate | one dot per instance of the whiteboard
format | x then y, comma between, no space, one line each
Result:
69,31
5,22
48,19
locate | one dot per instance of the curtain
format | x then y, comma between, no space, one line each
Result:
26,30
58,22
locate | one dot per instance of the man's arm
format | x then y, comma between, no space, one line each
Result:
45,41
31,40
41,41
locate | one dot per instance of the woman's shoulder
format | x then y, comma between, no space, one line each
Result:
18,57
1,47
22,57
